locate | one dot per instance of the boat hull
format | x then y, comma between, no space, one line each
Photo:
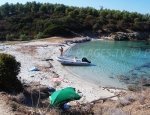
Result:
71,62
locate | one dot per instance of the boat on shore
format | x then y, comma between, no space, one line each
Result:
73,61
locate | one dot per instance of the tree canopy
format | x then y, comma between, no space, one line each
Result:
33,18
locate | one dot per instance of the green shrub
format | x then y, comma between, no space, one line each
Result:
40,35
56,30
9,37
9,69
24,37
2,36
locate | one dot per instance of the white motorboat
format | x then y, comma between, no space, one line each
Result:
73,61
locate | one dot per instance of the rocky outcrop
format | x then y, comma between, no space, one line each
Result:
122,36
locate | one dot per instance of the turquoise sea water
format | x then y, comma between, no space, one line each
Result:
117,63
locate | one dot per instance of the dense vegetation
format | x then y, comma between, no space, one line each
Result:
9,69
36,20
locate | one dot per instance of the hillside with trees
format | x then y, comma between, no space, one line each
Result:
39,20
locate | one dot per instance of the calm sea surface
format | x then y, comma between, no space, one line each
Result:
116,63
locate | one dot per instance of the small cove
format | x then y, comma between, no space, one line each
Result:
117,63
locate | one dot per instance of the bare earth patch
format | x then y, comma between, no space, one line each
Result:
5,108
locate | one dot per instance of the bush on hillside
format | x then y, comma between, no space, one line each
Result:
40,35
10,37
9,69
24,37
56,30
2,36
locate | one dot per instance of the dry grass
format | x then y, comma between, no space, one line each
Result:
5,107
133,103
139,104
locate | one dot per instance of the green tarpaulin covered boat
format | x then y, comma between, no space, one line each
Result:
63,96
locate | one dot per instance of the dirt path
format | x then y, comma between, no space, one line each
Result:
4,108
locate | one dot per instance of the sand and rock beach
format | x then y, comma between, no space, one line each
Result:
39,67
39,64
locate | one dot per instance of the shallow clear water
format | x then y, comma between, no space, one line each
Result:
117,63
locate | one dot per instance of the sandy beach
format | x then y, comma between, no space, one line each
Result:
42,55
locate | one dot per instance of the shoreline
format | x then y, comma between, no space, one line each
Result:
48,49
